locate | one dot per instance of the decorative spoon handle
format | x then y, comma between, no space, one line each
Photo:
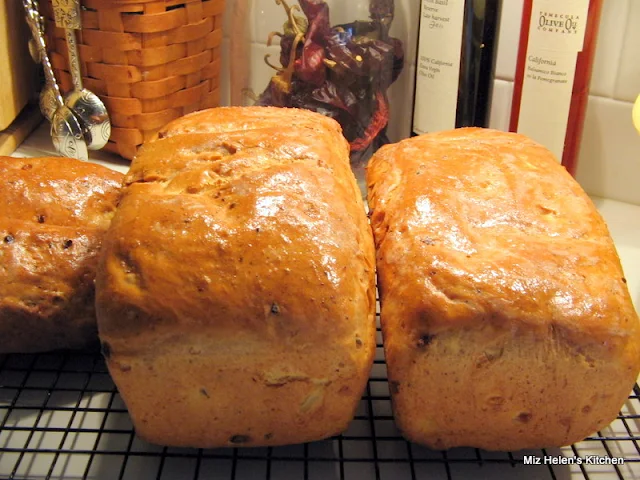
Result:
67,16
86,105
74,63
35,22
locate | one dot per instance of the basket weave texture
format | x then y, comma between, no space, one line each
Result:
150,61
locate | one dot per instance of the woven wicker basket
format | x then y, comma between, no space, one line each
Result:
150,61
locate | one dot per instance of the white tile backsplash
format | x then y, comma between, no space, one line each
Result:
610,152
628,78
609,163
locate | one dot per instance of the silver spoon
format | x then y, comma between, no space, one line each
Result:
48,104
87,106
66,132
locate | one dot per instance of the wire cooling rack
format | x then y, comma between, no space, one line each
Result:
61,417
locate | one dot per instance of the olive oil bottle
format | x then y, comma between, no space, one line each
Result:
457,46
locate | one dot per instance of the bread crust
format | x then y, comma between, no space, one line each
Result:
506,318
53,214
236,290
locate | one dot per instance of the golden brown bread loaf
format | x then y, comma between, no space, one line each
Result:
53,214
235,291
506,320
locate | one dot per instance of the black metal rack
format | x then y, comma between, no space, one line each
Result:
62,417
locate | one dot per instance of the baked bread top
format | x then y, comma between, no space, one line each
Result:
239,119
58,191
271,224
488,227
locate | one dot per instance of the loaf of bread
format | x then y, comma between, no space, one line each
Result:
235,290
506,320
53,215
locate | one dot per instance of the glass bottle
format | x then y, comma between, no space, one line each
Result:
455,68
555,62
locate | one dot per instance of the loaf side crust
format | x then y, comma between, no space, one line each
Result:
506,319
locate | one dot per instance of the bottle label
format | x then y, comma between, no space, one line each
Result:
556,35
438,65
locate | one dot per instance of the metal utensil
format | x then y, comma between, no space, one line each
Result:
66,132
47,103
89,109
33,48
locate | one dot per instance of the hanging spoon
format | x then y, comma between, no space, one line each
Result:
66,132
47,103
86,105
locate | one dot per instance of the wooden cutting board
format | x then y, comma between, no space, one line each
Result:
12,136
18,72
